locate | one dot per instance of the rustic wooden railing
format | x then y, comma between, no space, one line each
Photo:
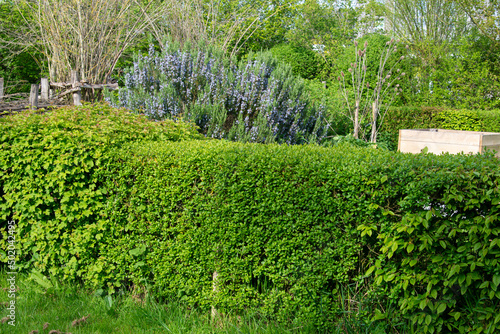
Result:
45,91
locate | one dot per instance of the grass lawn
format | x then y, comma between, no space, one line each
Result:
72,309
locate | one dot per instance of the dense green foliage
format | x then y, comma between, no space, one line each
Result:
19,72
465,78
47,183
440,260
19,66
286,228
304,62
466,120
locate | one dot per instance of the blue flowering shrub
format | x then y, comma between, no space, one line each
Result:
256,100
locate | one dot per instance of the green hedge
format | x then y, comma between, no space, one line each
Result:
304,61
285,227
47,182
490,120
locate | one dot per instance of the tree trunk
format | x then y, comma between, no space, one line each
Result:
373,137
356,120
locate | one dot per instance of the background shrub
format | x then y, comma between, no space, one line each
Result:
257,100
466,120
304,61
490,120
337,123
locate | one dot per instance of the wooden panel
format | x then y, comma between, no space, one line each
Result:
443,136
491,139
439,141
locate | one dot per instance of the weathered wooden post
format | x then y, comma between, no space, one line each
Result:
34,96
77,95
215,288
44,83
1,89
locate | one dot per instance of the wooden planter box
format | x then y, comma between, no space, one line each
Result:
440,141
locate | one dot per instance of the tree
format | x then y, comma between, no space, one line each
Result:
228,25
428,26
84,35
19,65
365,102
327,23
276,20
485,14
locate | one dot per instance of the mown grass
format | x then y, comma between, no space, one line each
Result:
62,306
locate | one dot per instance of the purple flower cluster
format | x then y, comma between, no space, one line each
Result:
258,100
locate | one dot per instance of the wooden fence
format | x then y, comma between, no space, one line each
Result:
42,95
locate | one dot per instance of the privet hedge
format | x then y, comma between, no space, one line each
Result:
284,227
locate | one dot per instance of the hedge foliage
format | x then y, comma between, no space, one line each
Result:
304,61
284,227
47,182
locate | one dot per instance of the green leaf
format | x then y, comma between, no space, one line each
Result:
138,251
441,308
428,215
484,285
138,264
370,270
394,246
454,269
389,277
496,280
